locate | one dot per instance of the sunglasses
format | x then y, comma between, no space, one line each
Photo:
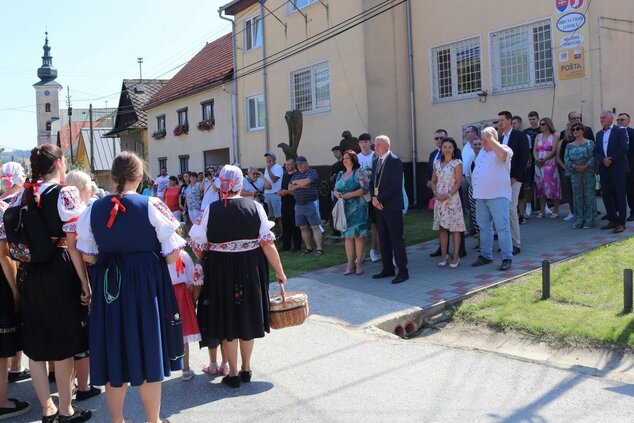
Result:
620,119
577,129
543,124
438,138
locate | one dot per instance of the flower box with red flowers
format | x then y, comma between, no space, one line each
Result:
158,135
181,129
206,125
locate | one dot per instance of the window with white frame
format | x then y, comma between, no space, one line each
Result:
182,117
162,163
255,113
252,33
298,4
208,110
160,123
183,162
310,88
456,70
521,57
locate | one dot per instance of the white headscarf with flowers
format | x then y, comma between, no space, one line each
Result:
13,174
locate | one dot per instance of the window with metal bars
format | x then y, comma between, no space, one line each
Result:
456,70
310,88
521,57
255,113
252,33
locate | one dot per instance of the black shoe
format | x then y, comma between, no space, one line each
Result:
631,218
21,407
610,225
516,250
506,264
462,253
51,377
604,217
435,253
522,220
231,381
51,419
80,415
17,376
84,395
383,274
245,376
481,261
401,277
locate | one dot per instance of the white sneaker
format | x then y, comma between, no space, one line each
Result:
548,211
374,256
569,217
529,210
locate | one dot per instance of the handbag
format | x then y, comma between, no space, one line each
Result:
339,216
430,203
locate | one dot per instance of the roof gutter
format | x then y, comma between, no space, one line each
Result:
265,88
412,101
234,92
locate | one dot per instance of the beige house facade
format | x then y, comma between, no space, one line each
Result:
190,122
470,60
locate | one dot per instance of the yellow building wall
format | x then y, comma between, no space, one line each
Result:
348,87
195,142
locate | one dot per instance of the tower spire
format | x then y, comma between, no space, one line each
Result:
47,72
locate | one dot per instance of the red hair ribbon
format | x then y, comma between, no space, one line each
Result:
228,186
8,178
113,212
34,186
180,267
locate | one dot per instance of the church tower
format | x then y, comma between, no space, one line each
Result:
47,97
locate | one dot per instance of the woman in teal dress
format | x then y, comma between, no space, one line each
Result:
579,165
351,184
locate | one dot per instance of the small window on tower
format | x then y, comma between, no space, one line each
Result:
48,126
47,107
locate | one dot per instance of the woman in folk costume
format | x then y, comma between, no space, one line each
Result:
234,302
53,295
135,327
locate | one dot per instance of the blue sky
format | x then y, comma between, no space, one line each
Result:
95,46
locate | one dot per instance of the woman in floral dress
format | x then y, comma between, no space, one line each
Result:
546,171
448,217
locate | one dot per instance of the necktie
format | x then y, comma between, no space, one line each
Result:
380,165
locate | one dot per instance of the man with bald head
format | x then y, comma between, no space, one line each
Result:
610,150
386,190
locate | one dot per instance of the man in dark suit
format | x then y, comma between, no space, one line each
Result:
439,136
387,198
611,150
623,120
518,143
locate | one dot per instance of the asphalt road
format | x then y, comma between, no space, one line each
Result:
325,372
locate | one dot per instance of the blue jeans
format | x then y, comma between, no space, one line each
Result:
491,212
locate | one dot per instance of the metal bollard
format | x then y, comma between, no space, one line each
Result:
545,279
627,291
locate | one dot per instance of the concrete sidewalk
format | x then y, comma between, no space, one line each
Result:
362,301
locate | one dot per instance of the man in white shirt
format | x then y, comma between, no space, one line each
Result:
366,158
161,183
492,191
273,175
210,189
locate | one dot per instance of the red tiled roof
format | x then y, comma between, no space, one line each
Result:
209,68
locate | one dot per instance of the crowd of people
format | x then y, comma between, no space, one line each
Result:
117,300
127,298
503,170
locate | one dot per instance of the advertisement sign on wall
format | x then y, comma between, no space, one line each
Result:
570,63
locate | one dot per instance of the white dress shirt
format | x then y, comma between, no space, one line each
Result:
606,138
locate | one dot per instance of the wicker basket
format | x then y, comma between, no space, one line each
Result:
288,309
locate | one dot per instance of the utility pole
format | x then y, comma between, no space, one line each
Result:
70,123
92,143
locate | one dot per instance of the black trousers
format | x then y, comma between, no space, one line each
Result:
391,240
291,234
613,192
630,190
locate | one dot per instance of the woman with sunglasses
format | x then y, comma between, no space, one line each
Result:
546,171
579,165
